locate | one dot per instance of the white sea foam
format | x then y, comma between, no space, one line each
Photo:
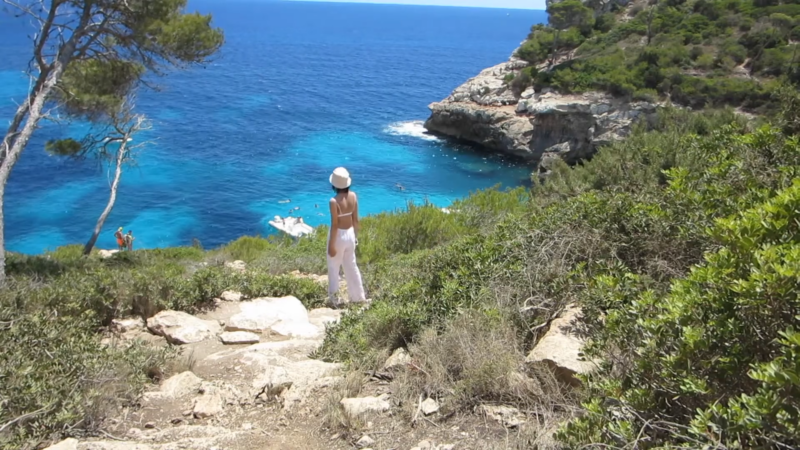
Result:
413,128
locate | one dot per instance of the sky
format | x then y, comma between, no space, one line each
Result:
514,4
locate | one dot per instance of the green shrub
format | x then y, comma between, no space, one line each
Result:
684,354
55,374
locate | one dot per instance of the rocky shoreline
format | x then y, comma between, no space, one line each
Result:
533,125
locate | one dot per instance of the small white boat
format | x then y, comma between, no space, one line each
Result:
292,226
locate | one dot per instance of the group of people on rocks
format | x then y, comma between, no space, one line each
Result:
124,241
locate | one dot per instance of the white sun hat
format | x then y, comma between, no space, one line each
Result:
340,178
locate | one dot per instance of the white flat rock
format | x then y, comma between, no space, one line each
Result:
239,338
181,328
285,316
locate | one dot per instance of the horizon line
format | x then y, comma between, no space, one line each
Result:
393,3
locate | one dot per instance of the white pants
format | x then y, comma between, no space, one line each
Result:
345,246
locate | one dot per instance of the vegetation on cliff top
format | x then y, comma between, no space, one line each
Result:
696,52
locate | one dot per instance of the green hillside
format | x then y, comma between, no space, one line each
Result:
697,52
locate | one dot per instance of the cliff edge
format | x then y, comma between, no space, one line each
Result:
532,125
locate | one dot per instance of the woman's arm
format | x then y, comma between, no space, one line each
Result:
355,214
334,227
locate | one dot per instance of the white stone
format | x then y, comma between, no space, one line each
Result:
208,405
507,416
129,324
399,359
365,441
181,328
236,265
429,406
285,316
231,296
424,445
359,406
560,349
105,254
176,386
66,444
239,338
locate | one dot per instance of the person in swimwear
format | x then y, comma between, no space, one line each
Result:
129,240
120,239
342,239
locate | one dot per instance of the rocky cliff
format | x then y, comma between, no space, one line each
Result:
532,125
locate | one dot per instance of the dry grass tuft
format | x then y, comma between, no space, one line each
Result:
334,417
478,359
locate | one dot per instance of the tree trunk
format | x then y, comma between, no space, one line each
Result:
14,142
555,48
2,236
111,198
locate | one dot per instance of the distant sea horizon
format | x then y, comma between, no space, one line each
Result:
300,88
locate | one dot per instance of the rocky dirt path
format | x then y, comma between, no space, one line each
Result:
248,383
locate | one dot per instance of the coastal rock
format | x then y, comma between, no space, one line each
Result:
181,328
285,316
560,349
530,125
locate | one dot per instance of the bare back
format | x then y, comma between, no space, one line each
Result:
344,210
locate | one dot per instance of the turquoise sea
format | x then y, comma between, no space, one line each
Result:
299,89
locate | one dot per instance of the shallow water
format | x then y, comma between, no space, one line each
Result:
299,89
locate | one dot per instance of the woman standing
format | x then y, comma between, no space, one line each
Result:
342,239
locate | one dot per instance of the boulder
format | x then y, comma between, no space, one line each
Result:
399,359
66,444
285,316
239,338
177,386
505,415
360,406
181,328
561,350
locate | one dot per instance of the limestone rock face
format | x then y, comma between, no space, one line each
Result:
560,349
181,328
532,125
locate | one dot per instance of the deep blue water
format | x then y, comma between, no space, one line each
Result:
299,89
